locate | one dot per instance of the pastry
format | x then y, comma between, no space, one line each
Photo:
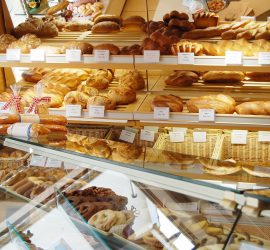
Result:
205,19
126,153
114,50
181,78
133,23
173,102
132,79
98,100
76,98
106,27
122,95
99,149
223,76
108,18
90,91
97,81
253,108
222,104
86,48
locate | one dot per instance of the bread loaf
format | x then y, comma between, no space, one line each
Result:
86,48
98,100
90,91
253,108
97,81
181,78
187,46
122,95
108,18
223,76
132,79
76,98
114,50
258,76
174,103
106,27
204,20
134,23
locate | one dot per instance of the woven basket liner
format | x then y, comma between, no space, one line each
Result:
13,163
189,147
253,151
98,132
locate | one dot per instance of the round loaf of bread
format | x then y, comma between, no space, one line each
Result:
97,81
182,78
86,48
106,27
133,23
76,98
173,102
133,80
90,91
122,95
99,100
114,50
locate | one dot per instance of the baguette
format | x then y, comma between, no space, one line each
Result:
253,108
60,6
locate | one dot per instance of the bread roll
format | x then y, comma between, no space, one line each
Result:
97,81
76,98
205,19
223,76
114,50
31,76
253,108
122,95
106,27
181,78
86,48
132,79
98,100
90,91
173,102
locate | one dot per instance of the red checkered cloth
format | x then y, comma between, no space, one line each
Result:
15,101
36,101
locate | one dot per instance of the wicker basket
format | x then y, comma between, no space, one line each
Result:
14,163
88,130
188,147
254,151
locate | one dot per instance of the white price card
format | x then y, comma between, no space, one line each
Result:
264,58
96,111
264,136
186,58
73,110
38,160
175,129
161,113
151,56
101,55
249,246
199,137
177,136
127,136
147,135
244,18
234,58
207,115
73,55
53,163
13,54
37,55
239,137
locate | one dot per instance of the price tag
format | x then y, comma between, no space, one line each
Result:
180,130
249,246
73,55
147,135
162,113
239,137
151,128
234,57
38,161
127,136
13,54
206,115
73,110
151,56
244,18
264,136
96,111
101,55
199,137
53,163
186,58
264,58
177,136
37,55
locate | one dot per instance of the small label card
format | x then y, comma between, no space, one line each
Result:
161,113
207,115
96,111
177,136
151,56
244,18
37,55
38,161
73,110
147,135
234,58
249,246
199,137
186,58
101,55
264,58
13,54
264,136
127,136
239,137
73,55
53,163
